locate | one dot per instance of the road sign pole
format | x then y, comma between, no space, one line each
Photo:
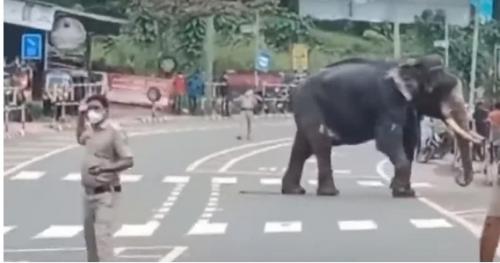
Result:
447,41
397,41
209,55
475,43
257,45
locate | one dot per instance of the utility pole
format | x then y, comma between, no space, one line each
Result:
257,47
475,44
447,41
209,55
397,41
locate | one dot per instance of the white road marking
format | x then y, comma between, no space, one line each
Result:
263,169
312,160
175,193
270,181
431,223
203,227
471,211
172,198
215,194
421,185
57,249
144,230
28,175
212,204
213,199
176,179
72,177
357,225
207,215
233,161
312,182
7,229
210,209
130,178
168,203
283,169
164,209
283,227
370,183
475,230
172,255
342,171
224,180
273,169
60,231
199,162
158,216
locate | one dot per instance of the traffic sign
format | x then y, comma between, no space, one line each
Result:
31,46
263,61
300,60
485,9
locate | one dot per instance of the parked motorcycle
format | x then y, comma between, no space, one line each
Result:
436,147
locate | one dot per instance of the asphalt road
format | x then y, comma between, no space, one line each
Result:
197,194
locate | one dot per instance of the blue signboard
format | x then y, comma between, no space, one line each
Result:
263,61
31,47
485,8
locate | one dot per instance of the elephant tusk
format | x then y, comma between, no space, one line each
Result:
455,127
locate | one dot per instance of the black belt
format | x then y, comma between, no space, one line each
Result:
104,189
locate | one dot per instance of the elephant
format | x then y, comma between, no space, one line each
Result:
357,100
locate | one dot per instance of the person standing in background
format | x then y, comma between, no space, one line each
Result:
180,92
106,155
480,117
248,102
196,89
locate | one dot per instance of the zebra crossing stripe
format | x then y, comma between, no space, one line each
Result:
144,230
431,223
176,179
283,227
421,185
28,175
357,225
270,181
7,229
224,180
72,177
204,227
370,183
59,231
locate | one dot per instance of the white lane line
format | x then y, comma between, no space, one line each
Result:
357,225
263,169
342,171
215,194
475,230
431,223
158,216
233,161
174,254
176,179
56,249
172,198
38,158
223,180
213,199
283,227
283,169
203,227
212,204
175,193
28,175
421,185
313,182
7,229
164,209
130,178
144,230
370,183
210,209
470,211
312,160
273,169
168,203
59,231
207,215
270,181
199,162
72,177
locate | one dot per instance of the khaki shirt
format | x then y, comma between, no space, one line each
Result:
105,145
248,102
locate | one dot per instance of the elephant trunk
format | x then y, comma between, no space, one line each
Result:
456,117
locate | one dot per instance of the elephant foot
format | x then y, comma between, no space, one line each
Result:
293,190
327,188
407,191
328,191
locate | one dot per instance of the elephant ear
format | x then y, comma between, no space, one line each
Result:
406,78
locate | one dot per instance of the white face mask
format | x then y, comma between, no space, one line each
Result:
95,117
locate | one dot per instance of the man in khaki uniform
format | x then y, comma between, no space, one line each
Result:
107,154
491,229
248,102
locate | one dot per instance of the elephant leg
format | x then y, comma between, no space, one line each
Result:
321,145
301,150
390,141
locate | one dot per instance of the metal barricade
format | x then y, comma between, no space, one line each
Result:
12,104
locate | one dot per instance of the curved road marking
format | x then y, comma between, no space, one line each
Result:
475,230
202,160
250,154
